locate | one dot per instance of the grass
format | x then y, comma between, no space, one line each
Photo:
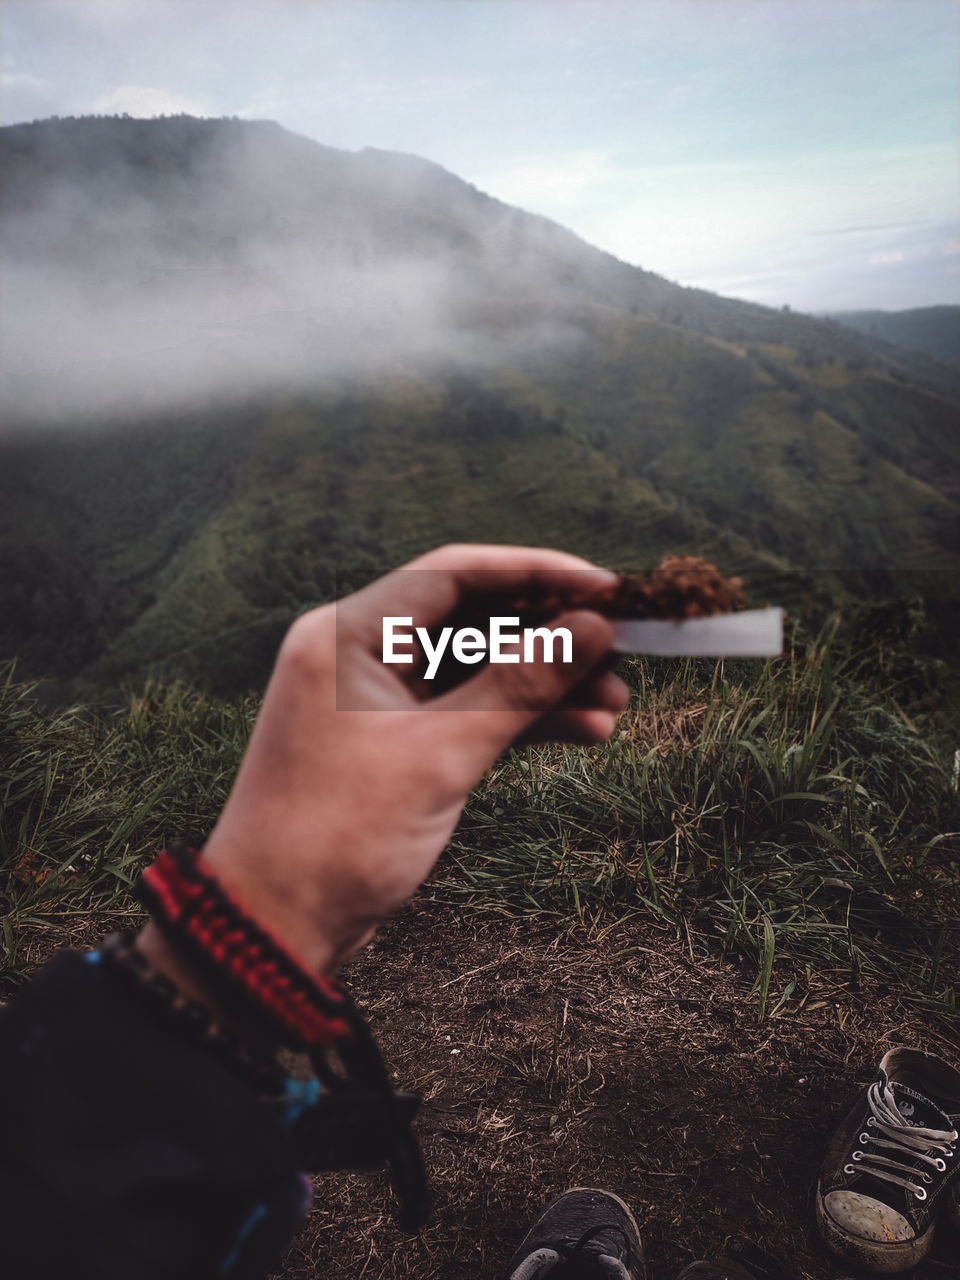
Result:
86,799
789,813
792,815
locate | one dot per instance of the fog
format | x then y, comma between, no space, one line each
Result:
150,265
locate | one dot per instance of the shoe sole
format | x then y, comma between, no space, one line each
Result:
886,1257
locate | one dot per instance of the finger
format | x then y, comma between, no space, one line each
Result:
509,697
568,724
432,587
606,692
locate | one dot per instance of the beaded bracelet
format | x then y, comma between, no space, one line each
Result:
187,1018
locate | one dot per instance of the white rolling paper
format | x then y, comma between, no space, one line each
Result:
754,633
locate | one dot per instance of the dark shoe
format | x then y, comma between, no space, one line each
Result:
891,1165
716,1269
751,1265
584,1235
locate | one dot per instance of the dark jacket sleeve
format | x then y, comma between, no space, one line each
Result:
126,1152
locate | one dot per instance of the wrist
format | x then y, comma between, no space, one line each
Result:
214,942
276,906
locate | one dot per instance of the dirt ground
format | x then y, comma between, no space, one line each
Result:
634,1063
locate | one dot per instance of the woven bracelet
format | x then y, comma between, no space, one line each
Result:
190,906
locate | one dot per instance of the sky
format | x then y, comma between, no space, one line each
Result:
801,152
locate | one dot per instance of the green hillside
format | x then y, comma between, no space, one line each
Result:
185,547
168,509
934,330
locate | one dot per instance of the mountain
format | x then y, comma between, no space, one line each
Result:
934,330
155,260
246,372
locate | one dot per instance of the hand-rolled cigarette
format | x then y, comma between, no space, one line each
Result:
684,608
752,633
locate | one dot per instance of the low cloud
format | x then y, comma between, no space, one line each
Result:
183,260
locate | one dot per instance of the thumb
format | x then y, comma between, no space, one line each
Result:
507,697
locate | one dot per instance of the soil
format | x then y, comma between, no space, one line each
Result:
633,1063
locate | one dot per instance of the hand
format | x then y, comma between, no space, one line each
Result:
337,815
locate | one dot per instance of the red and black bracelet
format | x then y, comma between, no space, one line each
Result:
190,906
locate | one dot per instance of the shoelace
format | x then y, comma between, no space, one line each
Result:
932,1146
576,1252
543,1260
